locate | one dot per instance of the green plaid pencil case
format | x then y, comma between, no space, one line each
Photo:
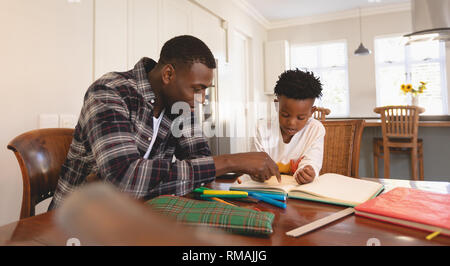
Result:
214,214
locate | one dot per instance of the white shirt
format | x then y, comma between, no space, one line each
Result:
308,142
156,123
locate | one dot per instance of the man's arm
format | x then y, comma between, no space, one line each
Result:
258,165
110,133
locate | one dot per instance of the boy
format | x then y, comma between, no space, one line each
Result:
294,140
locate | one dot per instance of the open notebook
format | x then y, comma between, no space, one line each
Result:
328,188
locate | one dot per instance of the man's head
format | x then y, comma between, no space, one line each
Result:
186,68
296,92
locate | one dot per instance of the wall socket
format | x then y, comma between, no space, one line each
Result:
55,121
67,121
48,121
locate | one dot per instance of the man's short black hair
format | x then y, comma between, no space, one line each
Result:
186,50
298,84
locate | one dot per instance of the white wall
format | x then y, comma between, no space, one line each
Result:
46,65
361,69
51,51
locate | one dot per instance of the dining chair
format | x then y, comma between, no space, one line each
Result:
342,146
320,113
399,127
40,154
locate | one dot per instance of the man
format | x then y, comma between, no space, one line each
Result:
124,132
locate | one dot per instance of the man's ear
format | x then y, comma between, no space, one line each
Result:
167,74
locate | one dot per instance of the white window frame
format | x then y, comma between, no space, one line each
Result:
442,64
407,63
318,70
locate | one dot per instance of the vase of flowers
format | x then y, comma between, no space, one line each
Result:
409,89
415,99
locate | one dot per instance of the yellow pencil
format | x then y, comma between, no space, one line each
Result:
433,235
219,200
224,192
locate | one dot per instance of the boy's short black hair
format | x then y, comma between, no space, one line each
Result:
186,50
298,84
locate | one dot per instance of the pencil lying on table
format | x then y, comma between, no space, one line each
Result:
224,192
226,202
268,195
277,203
223,196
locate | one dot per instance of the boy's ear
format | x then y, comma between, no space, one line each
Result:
313,109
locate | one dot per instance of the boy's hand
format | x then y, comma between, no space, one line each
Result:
305,175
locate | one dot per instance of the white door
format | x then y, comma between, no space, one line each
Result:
239,96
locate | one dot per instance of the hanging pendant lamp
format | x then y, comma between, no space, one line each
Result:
361,49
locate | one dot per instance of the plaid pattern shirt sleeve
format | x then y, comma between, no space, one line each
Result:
110,135
116,145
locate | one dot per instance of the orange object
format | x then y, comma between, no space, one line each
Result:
294,164
284,168
220,200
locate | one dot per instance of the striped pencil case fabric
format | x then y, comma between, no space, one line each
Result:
214,214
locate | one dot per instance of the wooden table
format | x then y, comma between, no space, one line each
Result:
351,230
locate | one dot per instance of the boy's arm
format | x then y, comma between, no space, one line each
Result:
313,155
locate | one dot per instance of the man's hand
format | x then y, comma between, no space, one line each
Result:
258,165
305,175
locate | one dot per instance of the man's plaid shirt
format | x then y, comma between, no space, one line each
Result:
113,134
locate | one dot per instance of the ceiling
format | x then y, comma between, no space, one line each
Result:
278,10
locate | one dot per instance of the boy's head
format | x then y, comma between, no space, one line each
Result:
296,92
186,65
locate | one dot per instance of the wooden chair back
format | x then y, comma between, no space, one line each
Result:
342,147
401,121
320,113
40,154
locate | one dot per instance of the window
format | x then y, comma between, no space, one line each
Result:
398,64
329,62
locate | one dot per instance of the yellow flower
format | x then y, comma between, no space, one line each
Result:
408,88
403,87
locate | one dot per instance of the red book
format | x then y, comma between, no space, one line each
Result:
410,207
